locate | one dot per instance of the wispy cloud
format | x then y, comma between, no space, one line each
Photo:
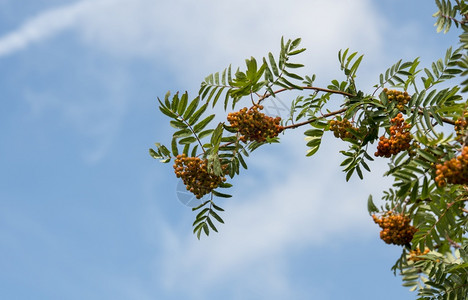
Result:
216,31
220,32
42,26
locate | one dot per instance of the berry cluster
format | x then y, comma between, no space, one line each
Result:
400,138
254,125
341,129
195,175
401,98
396,229
454,171
413,255
461,128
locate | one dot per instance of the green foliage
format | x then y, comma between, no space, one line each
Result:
435,262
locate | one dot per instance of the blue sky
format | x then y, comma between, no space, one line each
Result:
86,213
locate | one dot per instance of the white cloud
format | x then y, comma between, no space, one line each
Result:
206,34
43,26
202,36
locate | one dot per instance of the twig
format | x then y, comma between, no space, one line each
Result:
462,22
453,243
309,88
315,119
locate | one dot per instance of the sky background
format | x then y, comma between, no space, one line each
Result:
86,213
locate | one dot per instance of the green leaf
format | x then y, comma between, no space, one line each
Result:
182,133
216,136
313,139
359,172
211,224
289,84
198,227
349,174
425,189
273,64
166,99
242,162
182,104
167,112
426,155
205,133
175,102
356,64
293,66
295,43
371,208
191,108
178,124
187,140
200,206
175,150
194,118
154,154
202,124
216,216
292,75
194,151
202,212
205,229
218,94
186,149
314,132
296,52
218,194
216,207
199,219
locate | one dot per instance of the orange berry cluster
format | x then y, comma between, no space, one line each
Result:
396,229
413,255
400,138
254,125
461,128
340,129
195,175
401,98
454,171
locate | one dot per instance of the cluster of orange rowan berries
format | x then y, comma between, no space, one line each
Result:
454,171
195,175
401,98
413,255
400,138
396,228
461,128
254,125
341,129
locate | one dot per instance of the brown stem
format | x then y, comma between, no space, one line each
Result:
193,131
445,120
309,88
462,22
453,243
315,119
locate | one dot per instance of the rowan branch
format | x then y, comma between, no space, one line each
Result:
308,88
315,119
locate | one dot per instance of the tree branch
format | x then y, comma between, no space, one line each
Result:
315,119
309,88
462,22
